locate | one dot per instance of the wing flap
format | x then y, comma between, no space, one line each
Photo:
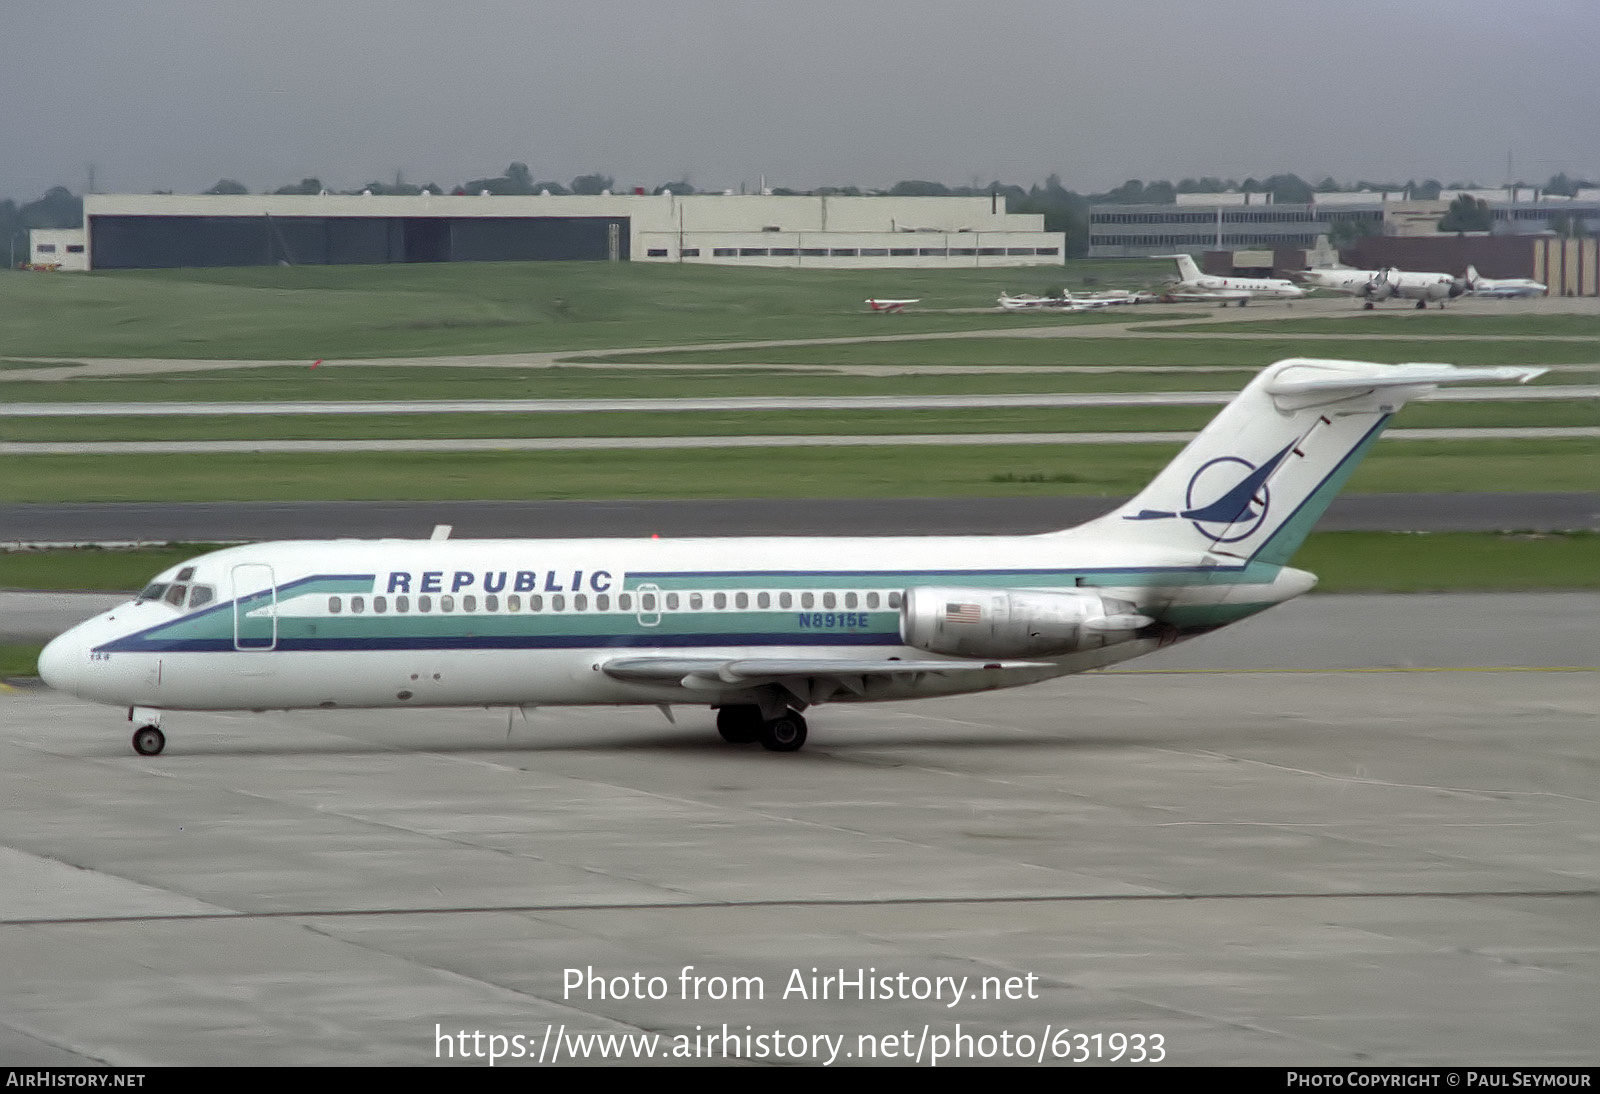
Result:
712,673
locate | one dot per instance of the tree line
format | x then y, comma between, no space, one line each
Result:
1063,210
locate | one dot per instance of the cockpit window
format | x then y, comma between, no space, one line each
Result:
175,595
186,573
152,591
201,594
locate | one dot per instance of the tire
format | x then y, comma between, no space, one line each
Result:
739,725
785,733
148,741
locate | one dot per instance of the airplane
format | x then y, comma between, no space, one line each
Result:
1504,288
759,629
1373,286
891,305
1195,286
1065,302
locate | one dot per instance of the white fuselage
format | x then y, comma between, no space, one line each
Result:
1383,284
394,623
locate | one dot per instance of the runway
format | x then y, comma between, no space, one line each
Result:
1272,867
786,440
728,403
207,522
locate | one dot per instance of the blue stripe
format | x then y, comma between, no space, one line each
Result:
518,642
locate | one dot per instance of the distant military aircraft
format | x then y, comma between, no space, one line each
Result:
1372,286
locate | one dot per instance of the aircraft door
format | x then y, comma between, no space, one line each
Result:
255,607
649,605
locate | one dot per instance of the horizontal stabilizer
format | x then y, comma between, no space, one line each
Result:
1313,376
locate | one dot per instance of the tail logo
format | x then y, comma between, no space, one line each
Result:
1240,498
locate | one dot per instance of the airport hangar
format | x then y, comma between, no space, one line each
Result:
152,231
1248,235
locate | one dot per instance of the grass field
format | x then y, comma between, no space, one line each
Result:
834,472
1197,349
19,659
732,423
453,308
1343,561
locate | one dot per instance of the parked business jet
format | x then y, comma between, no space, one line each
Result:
1194,285
1373,286
758,629
1504,288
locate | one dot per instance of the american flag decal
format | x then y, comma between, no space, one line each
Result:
963,613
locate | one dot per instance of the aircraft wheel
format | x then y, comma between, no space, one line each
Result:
148,741
1422,305
739,725
785,733
1368,305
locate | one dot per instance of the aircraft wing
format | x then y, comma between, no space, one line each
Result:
718,674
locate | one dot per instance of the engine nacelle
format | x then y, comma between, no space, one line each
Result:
967,622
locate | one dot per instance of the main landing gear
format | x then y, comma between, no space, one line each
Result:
740,725
148,740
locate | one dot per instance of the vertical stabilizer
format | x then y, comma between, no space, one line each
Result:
1254,481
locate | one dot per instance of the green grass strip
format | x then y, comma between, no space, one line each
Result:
845,471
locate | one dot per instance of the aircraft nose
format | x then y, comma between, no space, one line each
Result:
61,662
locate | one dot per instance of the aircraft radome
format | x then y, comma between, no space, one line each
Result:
759,629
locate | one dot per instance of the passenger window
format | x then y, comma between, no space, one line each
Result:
719,601
447,603
849,600
513,603
333,605
647,602
469,603
763,600
380,604
625,602
894,600
807,600
872,600
580,603
536,603
357,605
176,594
785,600
402,603
602,603
201,594
742,600
558,603
424,603
829,600
672,602
491,603
696,602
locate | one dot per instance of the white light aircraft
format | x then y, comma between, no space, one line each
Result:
1373,286
1065,302
759,629
1504,288
1194,285
891,305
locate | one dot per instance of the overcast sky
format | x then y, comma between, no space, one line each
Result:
175,94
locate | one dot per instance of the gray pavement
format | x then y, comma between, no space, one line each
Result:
205,522
729,403
1262,868
584,444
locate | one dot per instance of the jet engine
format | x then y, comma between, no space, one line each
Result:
1014,623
